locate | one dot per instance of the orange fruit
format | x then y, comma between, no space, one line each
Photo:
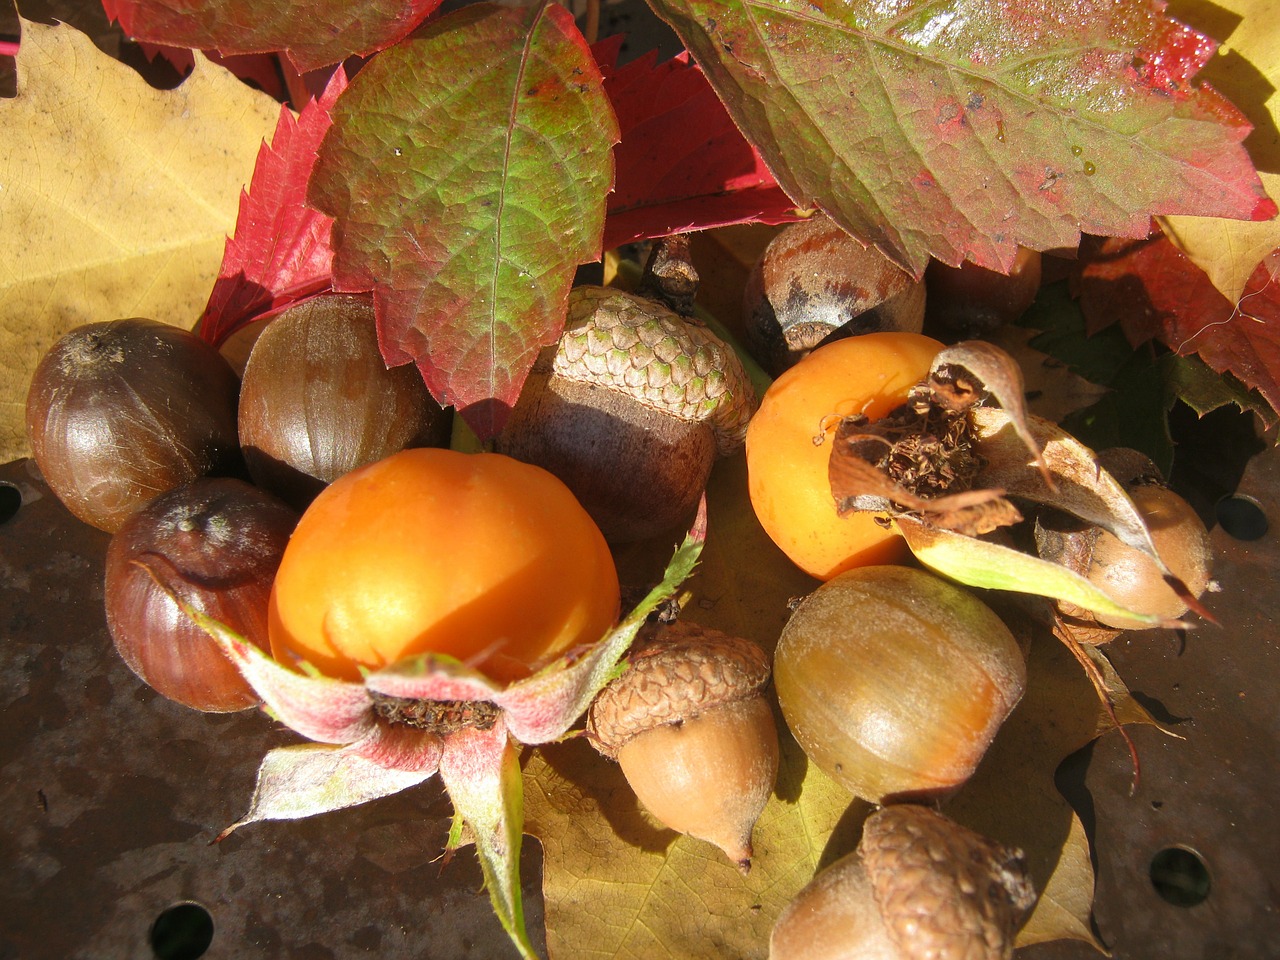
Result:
787,472
475,556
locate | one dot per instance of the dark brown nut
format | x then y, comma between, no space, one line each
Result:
974,301
318,400
215,544
630,409
815,283
693,734
122,410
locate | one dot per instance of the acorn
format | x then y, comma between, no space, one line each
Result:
919,887
814,283
119,411
213,543
317,399
693,734
1124,573
630,409
895,681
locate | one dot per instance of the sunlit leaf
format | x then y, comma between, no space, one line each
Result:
964,129
467,170
117,198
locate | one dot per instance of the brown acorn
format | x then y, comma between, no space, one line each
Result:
814,283
693,734
630,409
974,301
317,399
919,887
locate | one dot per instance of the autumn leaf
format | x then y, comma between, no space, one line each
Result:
1152,290
281,248
1247,71
314,33
964,130
467,170
682,165
117,198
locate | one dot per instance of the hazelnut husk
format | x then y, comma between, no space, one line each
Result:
693,734
213,544
119,411
919,887
630,409
815,283
317,400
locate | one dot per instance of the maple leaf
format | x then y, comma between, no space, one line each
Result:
964,129
467,170
1152,290
117,197
281,249
312,33
682,164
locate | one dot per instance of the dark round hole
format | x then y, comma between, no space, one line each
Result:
183,932
10,501
1242,517
1180,877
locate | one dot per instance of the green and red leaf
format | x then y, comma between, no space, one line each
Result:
313,33
966,128
467,169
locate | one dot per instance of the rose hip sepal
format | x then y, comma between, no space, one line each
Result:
470,733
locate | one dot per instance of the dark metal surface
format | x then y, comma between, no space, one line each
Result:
111,794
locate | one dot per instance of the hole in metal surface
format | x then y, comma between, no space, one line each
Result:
10,502
1180,877
1242,517
183,932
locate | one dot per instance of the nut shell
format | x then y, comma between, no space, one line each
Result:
691,670
944,891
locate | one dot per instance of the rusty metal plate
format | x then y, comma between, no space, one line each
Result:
111,793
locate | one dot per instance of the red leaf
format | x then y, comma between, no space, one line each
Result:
1153,290
682,164
313,33
280,250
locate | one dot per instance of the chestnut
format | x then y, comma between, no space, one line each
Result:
318,400
215,543
814,283
119,411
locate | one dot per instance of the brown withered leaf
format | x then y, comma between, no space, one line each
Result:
962,372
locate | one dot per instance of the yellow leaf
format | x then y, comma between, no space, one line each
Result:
1246,70
115,198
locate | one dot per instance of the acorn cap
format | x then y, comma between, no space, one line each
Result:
688,670
944,892
639,347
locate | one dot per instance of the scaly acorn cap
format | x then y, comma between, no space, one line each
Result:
688,670
944,892
639,347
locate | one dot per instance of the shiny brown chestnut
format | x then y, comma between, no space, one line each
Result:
815,282
214,543
119,411
318,400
